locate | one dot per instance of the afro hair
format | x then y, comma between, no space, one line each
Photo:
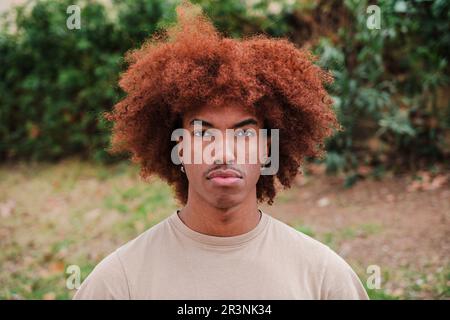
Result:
190,64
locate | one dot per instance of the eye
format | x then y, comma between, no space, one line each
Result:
250,133
200,133
244,133
239,133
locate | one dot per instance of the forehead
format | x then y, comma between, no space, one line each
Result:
223,115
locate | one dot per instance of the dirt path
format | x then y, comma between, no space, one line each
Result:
405,232
53,216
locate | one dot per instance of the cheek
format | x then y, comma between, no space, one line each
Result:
253,172
194,173
248,152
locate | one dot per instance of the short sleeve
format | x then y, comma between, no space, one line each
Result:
340,282
106,282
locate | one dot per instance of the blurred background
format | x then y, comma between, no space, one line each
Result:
379,197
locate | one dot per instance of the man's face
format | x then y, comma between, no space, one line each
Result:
232,173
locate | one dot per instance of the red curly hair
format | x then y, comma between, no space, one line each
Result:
191,64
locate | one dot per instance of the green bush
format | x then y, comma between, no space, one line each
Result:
390,89
387,86
56,81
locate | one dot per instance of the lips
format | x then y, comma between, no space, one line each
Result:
225,178
228,173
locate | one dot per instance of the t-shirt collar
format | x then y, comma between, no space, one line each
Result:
217,240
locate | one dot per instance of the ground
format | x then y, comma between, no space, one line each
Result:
74,213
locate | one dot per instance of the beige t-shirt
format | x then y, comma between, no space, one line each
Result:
271,261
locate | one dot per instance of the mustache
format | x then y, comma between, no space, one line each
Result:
224,167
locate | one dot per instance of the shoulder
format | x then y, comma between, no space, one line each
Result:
110,279
340,281
300,243
334,276
106,281
145,244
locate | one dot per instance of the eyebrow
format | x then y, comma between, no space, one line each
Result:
237,125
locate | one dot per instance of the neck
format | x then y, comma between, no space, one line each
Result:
206,218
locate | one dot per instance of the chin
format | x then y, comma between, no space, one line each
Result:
225,201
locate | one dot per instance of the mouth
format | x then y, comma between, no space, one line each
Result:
224,177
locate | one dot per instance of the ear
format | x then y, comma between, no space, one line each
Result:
184,147
180,147
264,144
268,147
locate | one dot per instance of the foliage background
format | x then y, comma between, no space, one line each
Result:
391,87
391,94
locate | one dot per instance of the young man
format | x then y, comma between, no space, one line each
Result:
219,244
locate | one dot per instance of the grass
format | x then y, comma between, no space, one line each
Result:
75,213
72,213
401,283
334,238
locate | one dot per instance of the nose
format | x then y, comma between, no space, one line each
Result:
225,155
